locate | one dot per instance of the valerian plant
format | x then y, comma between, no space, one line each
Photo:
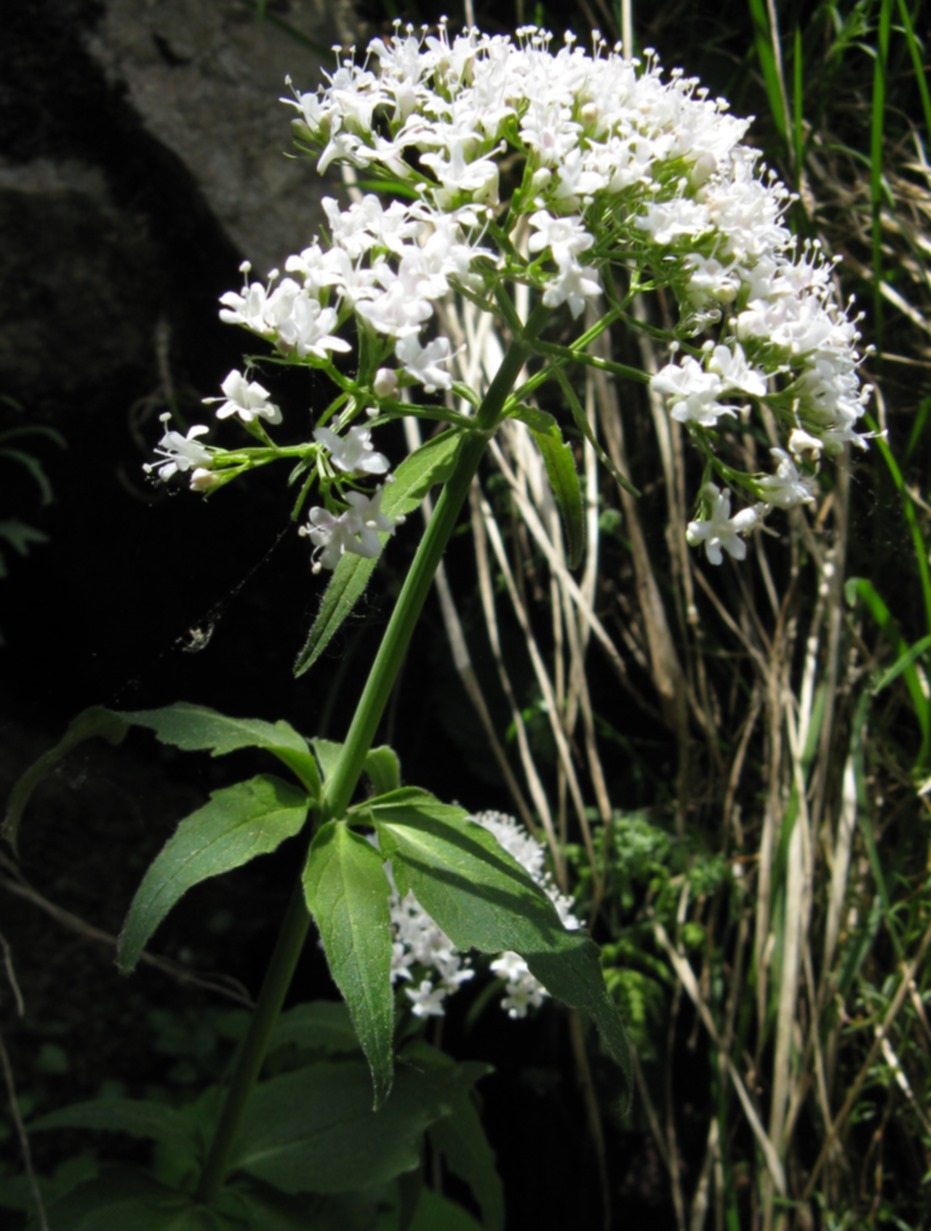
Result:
551,190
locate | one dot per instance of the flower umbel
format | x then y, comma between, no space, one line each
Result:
569,173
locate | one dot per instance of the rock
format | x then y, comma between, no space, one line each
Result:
205,80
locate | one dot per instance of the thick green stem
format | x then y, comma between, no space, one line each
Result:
341,784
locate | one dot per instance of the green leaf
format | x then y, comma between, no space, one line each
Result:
123,1198
315,1130
196,728
483,899
427,466
381,767
239,823
347,893
461,1139
270,1210
322,1026
133,1117
89,724
435,1211
564,481
20,536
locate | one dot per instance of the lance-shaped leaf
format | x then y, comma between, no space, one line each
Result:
564,482
90,724
132,1117
483,899
239,823
185,726
347,893
314,1130
428,465
196,728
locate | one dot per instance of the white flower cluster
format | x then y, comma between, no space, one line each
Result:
587,177
423,950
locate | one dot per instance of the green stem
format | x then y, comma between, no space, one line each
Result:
341,784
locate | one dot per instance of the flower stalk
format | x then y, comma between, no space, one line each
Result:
340,786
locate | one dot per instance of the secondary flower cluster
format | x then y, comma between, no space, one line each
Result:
589,178
425,956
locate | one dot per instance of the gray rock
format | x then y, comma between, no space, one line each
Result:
205,80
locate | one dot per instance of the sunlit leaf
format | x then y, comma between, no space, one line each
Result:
347,893
239,823
197,728
428,465
564,482
483,899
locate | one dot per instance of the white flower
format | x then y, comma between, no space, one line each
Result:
355,530
692,393
385,384
575,284
422,363
786,488
179,453
730,363
354,453
566,238
246,399
803,446
720,529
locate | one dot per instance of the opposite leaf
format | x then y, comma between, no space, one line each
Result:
347,893
239,823
429,465
564,482
483,899
88,725
196,728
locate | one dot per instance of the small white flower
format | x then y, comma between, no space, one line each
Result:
385,384
353,453
203,480
422,363
786,488
692,393
179,453
720,529
355,530
803,446
246,399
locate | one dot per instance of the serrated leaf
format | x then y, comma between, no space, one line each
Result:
347,892
96,722
195,728
314,1130
564,482
483,899
240,822
427,466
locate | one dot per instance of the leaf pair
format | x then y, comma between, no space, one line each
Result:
475,892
